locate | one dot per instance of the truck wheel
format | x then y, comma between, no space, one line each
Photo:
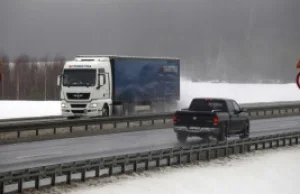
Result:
246,130
181,137
105,112
222,133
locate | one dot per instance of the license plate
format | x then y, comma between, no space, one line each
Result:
194,128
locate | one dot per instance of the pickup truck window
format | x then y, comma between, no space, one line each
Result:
236,106
208,105
230,106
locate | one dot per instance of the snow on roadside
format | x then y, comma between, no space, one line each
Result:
242,93
256,172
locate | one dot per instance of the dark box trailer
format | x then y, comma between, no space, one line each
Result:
148,81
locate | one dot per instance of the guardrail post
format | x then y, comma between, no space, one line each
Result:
135,166
83,175
53,180
242,147
199,153
189,158
69,177
179,156
97,171
208,153
37,132
169,159
123,167
37,182
20,186
1,187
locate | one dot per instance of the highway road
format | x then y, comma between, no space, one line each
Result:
24,155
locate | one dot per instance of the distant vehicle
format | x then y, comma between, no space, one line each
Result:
211,117
93,85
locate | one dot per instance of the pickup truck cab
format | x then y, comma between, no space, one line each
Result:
211,117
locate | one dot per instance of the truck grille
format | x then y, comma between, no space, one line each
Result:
78,96
78,105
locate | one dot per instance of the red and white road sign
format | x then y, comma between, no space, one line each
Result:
298,80
298,65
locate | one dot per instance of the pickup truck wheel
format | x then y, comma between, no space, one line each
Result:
181,137
245,133
222,133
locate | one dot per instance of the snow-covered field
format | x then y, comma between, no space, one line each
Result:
263,172
242,93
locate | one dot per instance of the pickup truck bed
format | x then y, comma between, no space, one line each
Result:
211,117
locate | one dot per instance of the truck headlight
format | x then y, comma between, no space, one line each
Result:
93,105
63,105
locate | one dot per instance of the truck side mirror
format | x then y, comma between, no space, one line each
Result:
58,80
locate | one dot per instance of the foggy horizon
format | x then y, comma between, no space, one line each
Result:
216,37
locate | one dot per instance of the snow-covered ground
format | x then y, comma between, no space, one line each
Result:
264,172
242,93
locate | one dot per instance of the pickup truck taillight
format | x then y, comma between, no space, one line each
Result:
175,118
215,120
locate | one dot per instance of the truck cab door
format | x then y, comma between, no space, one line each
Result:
233,117
240,116
105,87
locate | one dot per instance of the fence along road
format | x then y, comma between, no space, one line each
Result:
28,165
13,132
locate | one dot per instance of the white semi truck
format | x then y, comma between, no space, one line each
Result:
100,85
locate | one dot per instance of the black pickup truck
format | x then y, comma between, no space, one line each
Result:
211,117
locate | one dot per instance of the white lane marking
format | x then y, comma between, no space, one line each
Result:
40,155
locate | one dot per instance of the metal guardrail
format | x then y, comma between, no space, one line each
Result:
40,130
137,161
31,118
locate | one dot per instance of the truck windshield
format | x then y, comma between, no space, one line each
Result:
208,105
79,77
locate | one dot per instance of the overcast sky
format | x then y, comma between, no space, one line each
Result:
196,30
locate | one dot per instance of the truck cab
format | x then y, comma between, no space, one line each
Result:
85,87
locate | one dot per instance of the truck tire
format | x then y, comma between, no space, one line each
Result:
222,133
181,137
105,111
246,131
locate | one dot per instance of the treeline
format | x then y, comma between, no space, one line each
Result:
30,78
